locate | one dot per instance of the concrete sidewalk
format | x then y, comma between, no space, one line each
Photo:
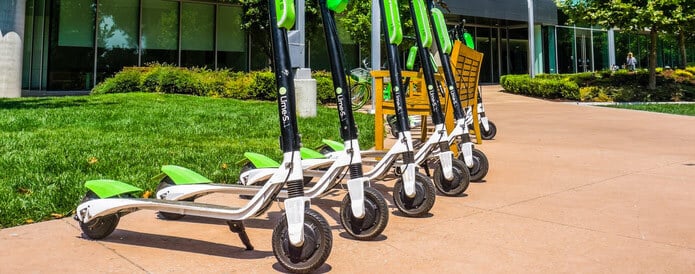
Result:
571,189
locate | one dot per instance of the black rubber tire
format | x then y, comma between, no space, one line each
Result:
458,184
318,242
374,221
488,134
325,149
246,167
100,227
424,198
480,165
164,183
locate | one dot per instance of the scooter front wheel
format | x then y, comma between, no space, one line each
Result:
318,242
164,183
421,203
458,184
488,134
100,227
480,167
376,216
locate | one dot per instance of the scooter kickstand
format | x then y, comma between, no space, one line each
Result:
238,228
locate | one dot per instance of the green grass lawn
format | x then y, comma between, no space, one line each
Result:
50,146
682,109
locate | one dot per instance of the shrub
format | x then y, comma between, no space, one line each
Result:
545,87
126,81
324,87
204,82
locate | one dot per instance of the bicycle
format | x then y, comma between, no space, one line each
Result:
361,92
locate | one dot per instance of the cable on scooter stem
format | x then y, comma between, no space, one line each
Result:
290,141
347,121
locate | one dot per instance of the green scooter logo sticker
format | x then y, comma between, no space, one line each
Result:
282,91
339,91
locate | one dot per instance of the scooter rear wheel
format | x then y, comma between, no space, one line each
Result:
100,227
458,184
374,221
318,242
164,183
488,134
421,203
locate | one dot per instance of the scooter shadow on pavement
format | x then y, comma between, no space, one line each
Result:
134,238
325,268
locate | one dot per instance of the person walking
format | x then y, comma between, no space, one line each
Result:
631,62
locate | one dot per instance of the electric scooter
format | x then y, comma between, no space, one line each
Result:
301,240
488,128
414,193
451,176
475,160
364,212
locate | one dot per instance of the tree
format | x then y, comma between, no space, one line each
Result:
357,21
256,21
637,15
684,27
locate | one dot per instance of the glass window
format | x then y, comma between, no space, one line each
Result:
198,35
76,27
518,51
601,61
28,42
565,50
160,31
71,45
231,40
117,36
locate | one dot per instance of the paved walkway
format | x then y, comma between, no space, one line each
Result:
571,189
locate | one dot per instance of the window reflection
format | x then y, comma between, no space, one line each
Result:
117,36
160,31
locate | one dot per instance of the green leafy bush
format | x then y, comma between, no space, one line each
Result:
126,81
545,86
164,78
619,86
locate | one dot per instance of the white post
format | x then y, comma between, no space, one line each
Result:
376,46
531,37
11,48
611,47
304,85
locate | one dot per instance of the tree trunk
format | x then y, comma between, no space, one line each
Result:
652,58
681,45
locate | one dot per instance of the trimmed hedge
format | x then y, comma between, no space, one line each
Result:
540,87
606,86
258,85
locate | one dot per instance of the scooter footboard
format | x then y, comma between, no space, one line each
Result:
92,209
182,192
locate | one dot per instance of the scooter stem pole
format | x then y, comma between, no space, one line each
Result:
427,70
395,74
348,131
448,72
284,78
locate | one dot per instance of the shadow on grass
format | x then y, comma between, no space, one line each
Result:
48,103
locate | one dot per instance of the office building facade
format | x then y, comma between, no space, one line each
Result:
74,44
